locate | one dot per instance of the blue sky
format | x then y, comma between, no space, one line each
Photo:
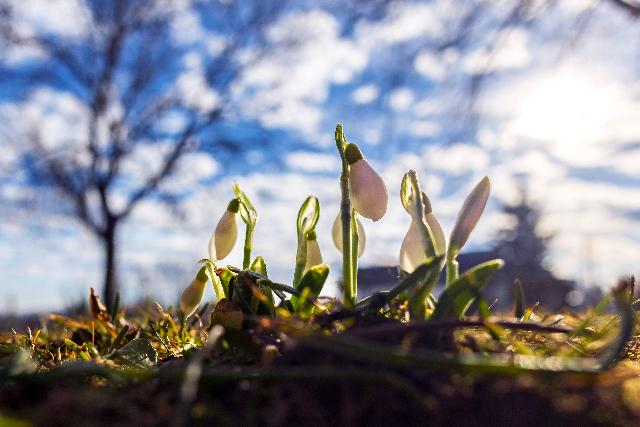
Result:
558,110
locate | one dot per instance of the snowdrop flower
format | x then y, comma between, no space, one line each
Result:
367,190
336,233
413,252
314,257
226,233
193,293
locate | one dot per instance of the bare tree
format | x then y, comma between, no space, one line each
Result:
123,70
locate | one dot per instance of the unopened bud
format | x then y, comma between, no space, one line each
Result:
469,215
193,293
314,257
226,233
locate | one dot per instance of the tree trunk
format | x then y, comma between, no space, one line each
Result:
110,288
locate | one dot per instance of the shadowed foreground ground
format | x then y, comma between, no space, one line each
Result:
308,386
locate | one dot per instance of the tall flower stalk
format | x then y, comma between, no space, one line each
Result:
349,274
249,217
363,192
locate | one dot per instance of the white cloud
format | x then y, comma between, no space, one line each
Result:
186,27
424,128
401,99
430,65
365,94
16,55
404,21
313,162
144,160
511,52
192,87
196,166
57,116
427,107
67,18
287,87
457,159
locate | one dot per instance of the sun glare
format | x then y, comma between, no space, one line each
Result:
569,109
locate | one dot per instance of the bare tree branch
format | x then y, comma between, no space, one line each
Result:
629,6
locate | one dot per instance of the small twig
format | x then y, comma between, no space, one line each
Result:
158,336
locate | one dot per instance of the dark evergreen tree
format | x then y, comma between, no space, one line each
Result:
521,245
524,249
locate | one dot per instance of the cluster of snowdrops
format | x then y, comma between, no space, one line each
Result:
424,253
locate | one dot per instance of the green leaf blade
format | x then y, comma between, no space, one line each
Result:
457,297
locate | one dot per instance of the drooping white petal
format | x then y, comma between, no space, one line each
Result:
367,190
192,295
336,233
314,257
438,234
412,251
224,237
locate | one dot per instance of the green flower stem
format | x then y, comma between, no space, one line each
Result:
248,242
355,241
347,265
419,308
301,261
215,280
217,284
350,291
452,270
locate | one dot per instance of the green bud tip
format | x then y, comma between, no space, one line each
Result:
234,206
352,153
312,235
202,275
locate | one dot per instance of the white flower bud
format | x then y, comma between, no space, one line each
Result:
193,293
226,233
368,193
314,257
413,252
336,233
469,215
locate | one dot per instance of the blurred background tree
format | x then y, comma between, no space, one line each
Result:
122,77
